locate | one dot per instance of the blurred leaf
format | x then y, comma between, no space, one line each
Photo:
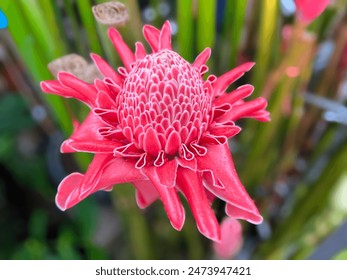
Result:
31,249
47,37
234,24
135,225
38,224
342,255
206,24
13,114
185,35
85,214
85,12
66,245
267,28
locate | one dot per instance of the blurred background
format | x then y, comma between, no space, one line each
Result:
295,167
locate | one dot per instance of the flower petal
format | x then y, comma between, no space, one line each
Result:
173,143
225,130
68,194
127,150
106,69
245,110
70,81
146,193
165,37
166,173
108,116
214,139
55,87
86,138
190,183
238,94
231,239
185,153
222,82
170,200
151,143
152,36
308,10
105,101
104,171
224,172
140,51
192,164
123,50
202,58
237,213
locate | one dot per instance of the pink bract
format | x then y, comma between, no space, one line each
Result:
231,239
158,124
308,10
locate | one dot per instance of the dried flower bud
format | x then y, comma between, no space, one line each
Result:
111,13
90,74
76,65
71,63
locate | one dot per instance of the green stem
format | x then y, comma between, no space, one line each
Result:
185,35
206,24
134,222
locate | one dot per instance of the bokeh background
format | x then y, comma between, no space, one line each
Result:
295,167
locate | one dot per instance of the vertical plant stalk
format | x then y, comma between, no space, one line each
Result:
235,18
206,24
74,30
134,222
185,35
267,29
134,27
299,59
53,25
85,12
36,21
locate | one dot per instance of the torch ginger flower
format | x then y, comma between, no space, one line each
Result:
157,124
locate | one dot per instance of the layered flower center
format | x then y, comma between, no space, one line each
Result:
163,99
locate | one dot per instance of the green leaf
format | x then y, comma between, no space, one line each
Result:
185,35
268,25
206,24
341,255
86,14
234,25
13,114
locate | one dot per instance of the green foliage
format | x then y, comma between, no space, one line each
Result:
341,256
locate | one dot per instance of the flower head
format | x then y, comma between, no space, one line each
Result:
158,124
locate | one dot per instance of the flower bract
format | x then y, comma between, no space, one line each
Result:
308,10
231,239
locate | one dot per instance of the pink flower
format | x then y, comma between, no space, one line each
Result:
157,124
231,239
308,10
